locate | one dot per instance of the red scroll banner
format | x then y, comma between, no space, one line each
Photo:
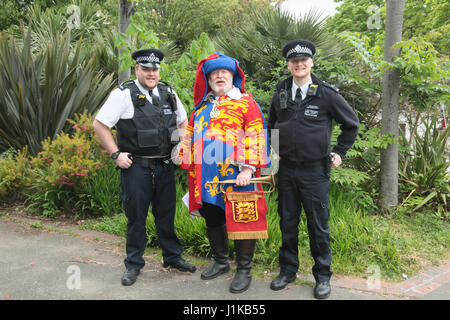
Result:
245,213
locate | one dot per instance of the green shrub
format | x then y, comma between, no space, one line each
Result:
62,168
14,174
67,159
100,193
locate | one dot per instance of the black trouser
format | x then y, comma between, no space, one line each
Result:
307,187
214,215
140,187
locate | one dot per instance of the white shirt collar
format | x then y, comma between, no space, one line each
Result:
304,88
234,94
144,91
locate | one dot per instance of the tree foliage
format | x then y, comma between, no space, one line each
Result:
258,46
421,18
182,21
13,12
423,73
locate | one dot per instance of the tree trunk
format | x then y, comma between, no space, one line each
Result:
389,121
126,11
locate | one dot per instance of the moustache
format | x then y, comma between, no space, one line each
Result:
213,84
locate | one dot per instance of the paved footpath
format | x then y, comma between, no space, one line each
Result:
63,262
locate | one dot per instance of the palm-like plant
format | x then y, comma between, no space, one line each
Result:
258,46
426,172
81,17
40,92
81,20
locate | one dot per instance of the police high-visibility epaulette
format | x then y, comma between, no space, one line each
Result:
124,85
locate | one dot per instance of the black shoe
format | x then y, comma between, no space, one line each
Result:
129,276
322,290
181,265
281,281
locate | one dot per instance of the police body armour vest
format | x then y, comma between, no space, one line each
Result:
151,130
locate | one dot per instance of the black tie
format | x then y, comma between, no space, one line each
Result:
298,95
155,99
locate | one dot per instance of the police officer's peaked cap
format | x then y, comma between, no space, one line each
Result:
298,49
148,57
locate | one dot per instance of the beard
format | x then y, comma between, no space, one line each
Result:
215,88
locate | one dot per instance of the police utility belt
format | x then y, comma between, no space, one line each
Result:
149,161
152,162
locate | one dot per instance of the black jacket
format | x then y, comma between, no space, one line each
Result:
305,128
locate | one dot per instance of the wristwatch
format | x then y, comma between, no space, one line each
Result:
115,155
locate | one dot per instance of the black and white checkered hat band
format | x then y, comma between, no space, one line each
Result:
148,59
299,49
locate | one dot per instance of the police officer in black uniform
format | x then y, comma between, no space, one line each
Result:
146,114
302,109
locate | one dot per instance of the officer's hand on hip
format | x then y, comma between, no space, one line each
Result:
336,160
123,161
243,178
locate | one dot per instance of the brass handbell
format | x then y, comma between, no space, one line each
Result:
266,179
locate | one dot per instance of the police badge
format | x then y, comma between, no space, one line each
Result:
141,100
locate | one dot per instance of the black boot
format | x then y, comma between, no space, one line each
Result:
218,239
244,256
